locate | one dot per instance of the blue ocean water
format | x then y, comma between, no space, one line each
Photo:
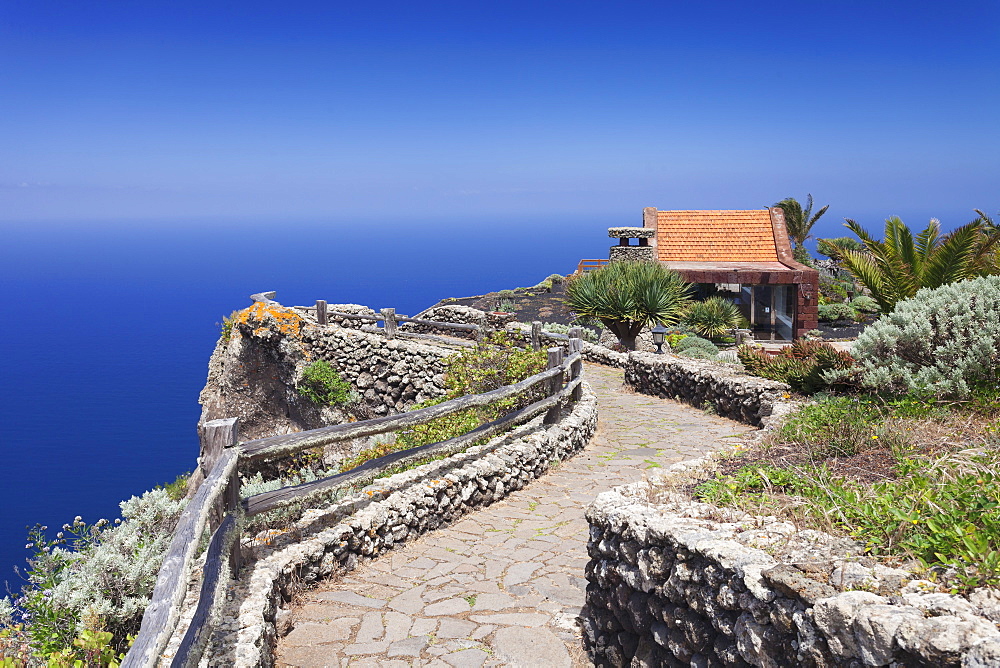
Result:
108,327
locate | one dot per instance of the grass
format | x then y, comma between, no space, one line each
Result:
911,479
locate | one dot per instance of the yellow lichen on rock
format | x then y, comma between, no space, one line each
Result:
285,320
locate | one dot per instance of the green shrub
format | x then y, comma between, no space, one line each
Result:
803,365
865,304
833,290
177,489
506,294
697,347
713,317
943,512
227,324
492,364
558,328
103,583
322,385
831,312
834,248
944,341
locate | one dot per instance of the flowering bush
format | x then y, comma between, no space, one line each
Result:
96,578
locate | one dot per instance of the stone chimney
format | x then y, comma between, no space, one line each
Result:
625,251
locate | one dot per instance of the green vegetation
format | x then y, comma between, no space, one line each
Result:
87,587
832,312
799,222
558,328
322,385
492,364
899,265
914,500
690,345
911,470
713,317
177,489
834,248
803,365
627,296
942,342
228,322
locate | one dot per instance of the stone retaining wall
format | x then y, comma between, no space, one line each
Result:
687,584
456,313
332,540
731,392
390,375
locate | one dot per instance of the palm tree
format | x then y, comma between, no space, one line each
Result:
799,223
896,267
627,296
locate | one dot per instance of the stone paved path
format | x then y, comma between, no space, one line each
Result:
504,585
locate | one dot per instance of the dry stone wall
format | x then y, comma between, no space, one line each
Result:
681,583
731,392
332,540
389,375
455,313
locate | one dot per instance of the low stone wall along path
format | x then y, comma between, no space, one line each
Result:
502,586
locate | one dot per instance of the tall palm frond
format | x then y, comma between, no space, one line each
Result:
897,266
799,222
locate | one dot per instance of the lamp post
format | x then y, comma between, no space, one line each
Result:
659,333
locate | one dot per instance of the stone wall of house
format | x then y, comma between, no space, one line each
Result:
679,583
333,540
733,393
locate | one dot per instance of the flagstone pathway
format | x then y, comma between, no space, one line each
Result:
504,585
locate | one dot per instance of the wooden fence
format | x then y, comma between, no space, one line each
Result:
218,505
588,265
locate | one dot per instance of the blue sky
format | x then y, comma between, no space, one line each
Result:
141,111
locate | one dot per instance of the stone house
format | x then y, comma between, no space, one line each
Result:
743,255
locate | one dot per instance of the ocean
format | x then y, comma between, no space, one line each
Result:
109,328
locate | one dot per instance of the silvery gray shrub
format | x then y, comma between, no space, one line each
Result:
943,341
113,579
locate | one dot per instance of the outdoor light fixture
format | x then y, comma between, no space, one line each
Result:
659,333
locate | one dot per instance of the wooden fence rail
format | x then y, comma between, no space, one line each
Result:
217,504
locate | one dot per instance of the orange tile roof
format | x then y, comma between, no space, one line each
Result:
715,236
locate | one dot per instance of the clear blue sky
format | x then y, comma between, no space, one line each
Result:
139,110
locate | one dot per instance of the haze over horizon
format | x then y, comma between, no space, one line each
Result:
147,111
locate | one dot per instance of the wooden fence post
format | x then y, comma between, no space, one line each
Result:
575,369
321,312
536,335
216,436
232,501
555,384
389,316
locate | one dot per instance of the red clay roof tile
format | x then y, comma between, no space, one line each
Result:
715,236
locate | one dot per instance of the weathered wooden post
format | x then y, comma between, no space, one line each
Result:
321,312
389,316
576,369
536,335
233,507
555,384
216,436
